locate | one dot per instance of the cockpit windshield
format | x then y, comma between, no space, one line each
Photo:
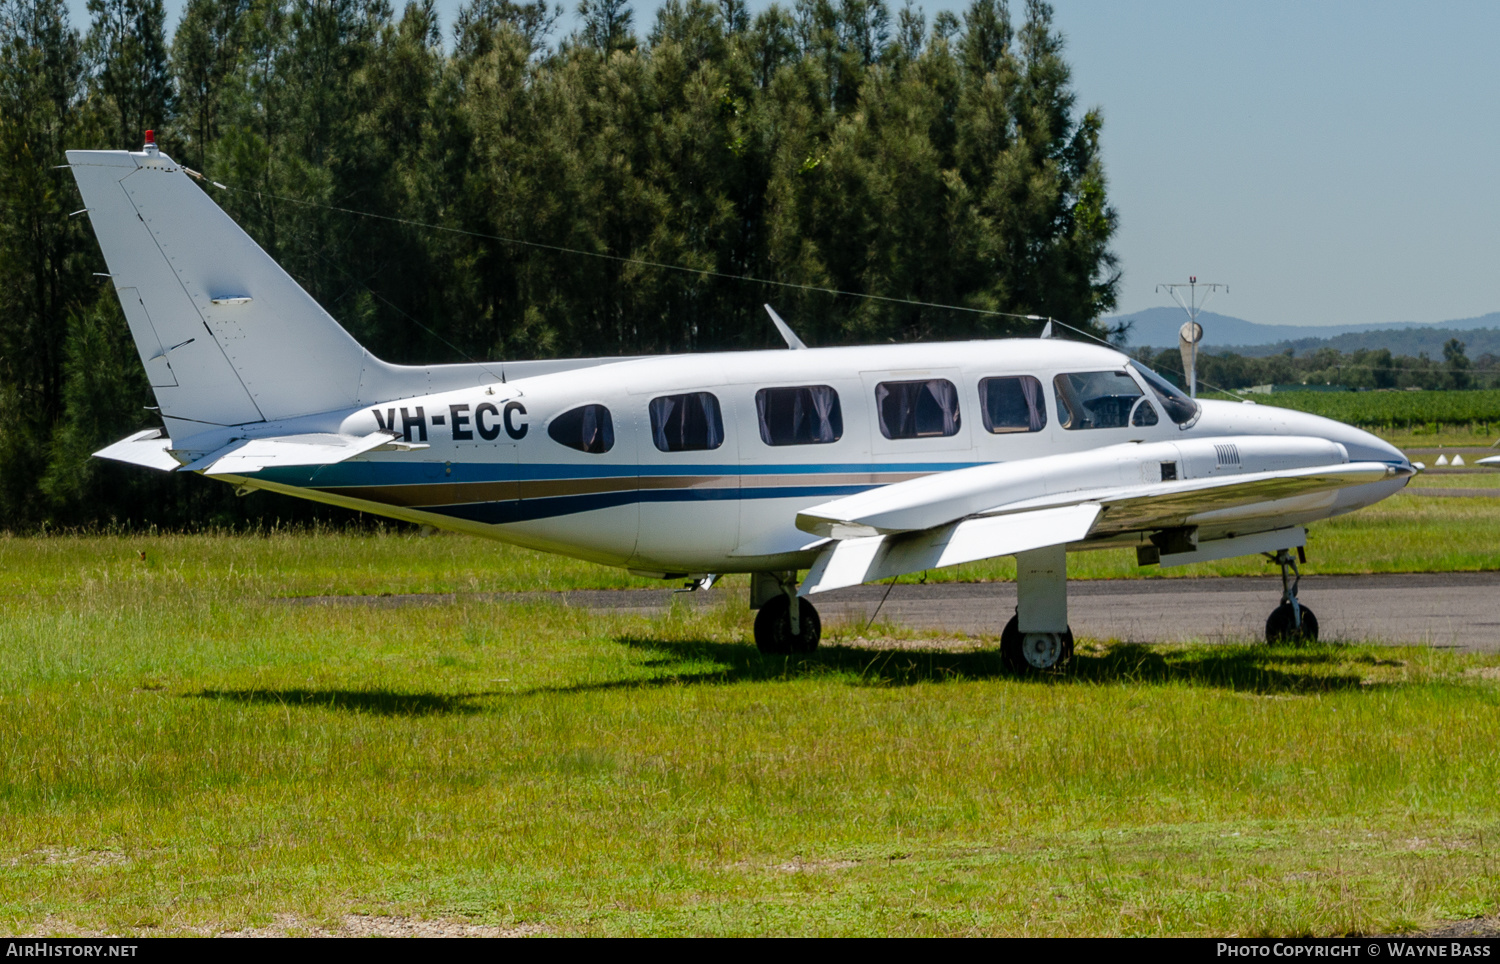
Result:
1179,408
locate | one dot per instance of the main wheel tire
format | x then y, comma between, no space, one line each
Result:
1033,652
773,627
1281,626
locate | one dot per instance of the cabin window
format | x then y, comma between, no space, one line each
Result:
1095,399
588,428
1014,404
809,415
686,423
917,409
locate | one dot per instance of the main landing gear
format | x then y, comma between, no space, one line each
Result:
1026,652
1038,638
1291,622
786,624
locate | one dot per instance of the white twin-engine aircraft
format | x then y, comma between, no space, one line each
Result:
852,464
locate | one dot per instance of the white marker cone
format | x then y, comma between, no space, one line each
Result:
1458,460
1442,460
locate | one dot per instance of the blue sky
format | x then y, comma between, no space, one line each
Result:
1333,162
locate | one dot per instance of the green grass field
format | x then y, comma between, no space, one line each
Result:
187,751
1418,413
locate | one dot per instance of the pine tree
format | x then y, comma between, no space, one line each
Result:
607,25
44,275
126,50
478,21
206,50
1457,363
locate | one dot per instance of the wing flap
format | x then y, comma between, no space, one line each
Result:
849,562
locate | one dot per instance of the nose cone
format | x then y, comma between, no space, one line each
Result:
1364,447
1231,418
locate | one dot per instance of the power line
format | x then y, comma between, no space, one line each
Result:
620,259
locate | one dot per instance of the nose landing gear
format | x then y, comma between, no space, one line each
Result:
1291,622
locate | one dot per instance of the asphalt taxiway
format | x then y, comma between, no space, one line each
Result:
1459,610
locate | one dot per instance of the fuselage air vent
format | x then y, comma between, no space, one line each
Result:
1229,455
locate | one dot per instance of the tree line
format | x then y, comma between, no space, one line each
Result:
1321,368
597,193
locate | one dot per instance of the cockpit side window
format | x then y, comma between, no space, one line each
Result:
587,428
1013,404
1095,399
687,423
921,409
1179,407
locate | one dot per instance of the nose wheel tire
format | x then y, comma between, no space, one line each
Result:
1281,626
773,627
1033,652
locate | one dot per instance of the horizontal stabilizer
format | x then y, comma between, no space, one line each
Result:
246,456
148,448
853,561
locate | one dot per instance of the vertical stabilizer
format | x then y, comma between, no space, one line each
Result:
227,337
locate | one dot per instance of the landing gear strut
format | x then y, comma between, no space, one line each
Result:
1291,622
786,624
1046,641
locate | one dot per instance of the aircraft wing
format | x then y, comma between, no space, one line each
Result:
1005,508
1181,503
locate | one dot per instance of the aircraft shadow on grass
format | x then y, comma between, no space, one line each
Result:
376,702
1258,669
1250,669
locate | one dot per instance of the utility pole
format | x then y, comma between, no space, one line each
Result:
1190,334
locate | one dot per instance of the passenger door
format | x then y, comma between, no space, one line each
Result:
690,500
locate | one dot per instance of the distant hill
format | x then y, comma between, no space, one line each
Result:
1158,327
1404,341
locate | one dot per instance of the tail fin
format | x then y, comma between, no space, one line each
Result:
227,337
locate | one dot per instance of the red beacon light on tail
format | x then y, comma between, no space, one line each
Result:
150,147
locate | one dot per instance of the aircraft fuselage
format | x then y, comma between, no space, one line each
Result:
508,460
